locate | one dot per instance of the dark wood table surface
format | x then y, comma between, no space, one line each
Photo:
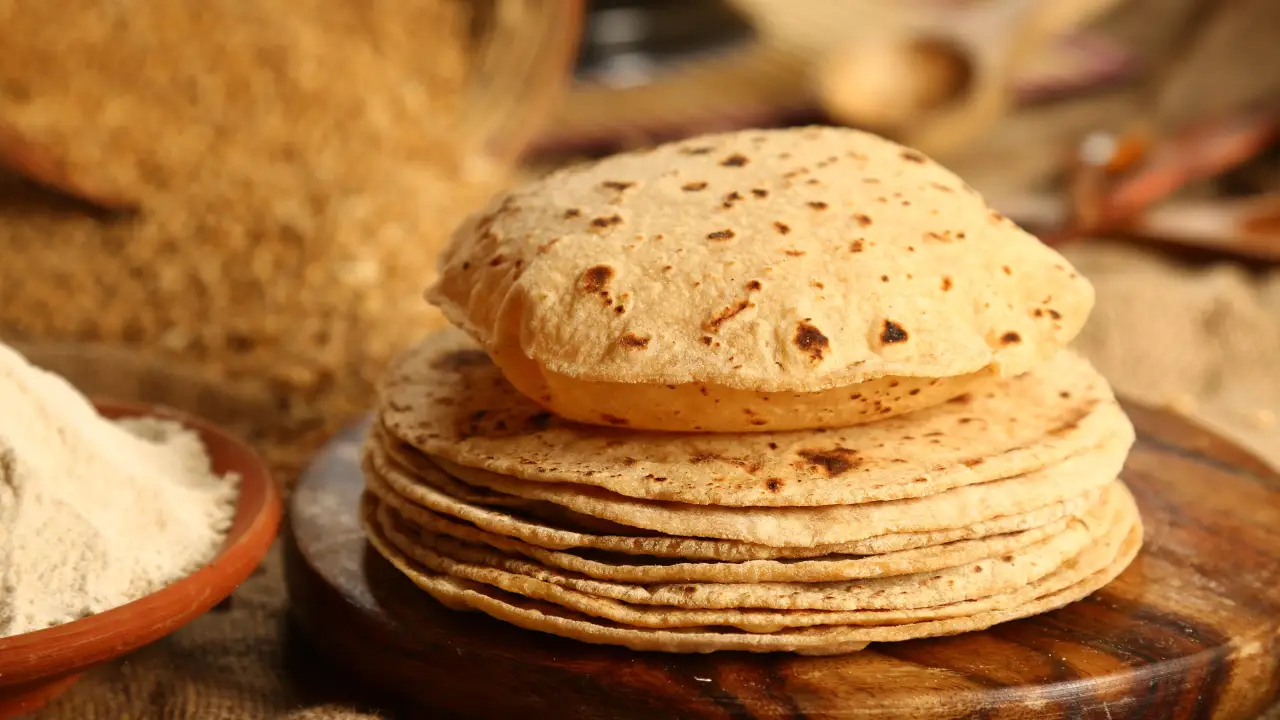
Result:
1190,630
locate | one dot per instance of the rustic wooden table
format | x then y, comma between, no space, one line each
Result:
1191,630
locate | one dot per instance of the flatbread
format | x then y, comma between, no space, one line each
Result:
822,568
1057,590
808,526
447,399
539,534
988,576
784,262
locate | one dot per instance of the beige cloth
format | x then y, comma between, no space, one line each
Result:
239,661
1203,342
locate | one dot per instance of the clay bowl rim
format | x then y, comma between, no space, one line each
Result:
48,656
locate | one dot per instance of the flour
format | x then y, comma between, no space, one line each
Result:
95,513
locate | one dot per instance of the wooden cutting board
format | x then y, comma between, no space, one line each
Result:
1190,630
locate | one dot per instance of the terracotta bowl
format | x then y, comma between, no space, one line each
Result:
35,667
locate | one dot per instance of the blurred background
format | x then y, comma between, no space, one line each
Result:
234,207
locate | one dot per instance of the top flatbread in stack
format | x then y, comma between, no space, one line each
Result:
755,281
770,391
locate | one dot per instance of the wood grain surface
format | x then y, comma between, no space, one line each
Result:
1191,630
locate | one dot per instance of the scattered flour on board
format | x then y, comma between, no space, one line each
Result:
95,513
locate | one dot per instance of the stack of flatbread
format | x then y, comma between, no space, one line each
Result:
793,390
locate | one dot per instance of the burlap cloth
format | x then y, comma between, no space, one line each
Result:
1201,340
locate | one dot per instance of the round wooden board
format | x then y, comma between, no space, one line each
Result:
1190,630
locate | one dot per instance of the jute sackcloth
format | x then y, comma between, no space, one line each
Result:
1201,341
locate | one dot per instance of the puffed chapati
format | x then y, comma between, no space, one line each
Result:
760,280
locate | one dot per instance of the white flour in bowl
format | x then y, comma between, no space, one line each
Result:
95,513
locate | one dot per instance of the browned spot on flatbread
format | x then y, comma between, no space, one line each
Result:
832,462
693,186
725,234
913,156
750,466
891,333
596,279
862,220
608,221
616,184
857,245
633,341
726,314
614,419
781,227
1010,338
811,341
735,160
